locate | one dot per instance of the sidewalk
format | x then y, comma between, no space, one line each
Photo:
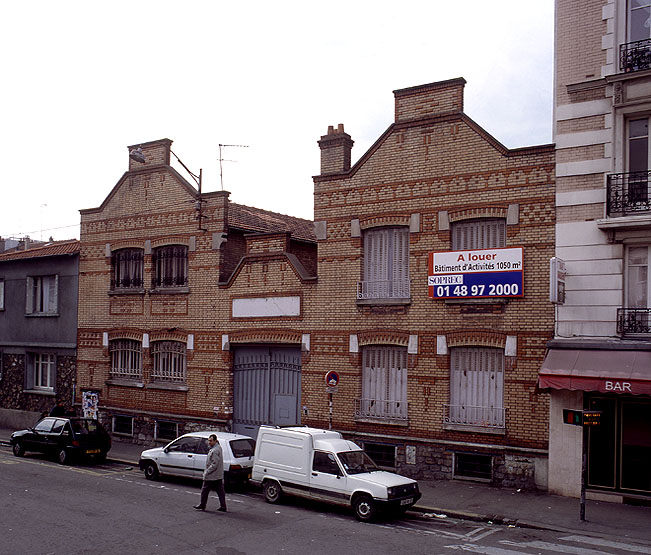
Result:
472,501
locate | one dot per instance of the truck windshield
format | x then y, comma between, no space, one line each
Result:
356,462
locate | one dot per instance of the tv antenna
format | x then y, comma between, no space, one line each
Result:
221,171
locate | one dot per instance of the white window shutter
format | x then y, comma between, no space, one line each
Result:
53,294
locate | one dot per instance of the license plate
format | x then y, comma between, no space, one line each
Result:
92,451
408,501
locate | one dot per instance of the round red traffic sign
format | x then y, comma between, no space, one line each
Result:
331,378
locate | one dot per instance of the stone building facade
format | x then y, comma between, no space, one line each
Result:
600,358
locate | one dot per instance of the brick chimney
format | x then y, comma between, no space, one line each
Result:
426,101
335,150
156,153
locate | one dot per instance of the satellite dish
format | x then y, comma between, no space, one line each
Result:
137,155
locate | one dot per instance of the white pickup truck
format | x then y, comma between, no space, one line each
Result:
320,464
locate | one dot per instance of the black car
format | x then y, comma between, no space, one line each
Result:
65,438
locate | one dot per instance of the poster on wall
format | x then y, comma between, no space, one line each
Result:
476,274
90,404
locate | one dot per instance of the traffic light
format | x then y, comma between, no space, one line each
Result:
573,417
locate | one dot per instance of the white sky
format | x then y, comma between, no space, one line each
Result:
82,80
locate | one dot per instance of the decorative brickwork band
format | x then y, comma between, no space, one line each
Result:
265,336
477,338
480,212
185,241
168,336
383,338
125,334
385,220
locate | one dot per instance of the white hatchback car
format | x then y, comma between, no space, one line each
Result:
186,456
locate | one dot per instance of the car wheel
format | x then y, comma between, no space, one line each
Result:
272,491
364,508
18,449
63,456
151,471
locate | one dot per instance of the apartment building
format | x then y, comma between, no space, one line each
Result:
38,330
600,358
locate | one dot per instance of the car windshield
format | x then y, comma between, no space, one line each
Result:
356,462
242,447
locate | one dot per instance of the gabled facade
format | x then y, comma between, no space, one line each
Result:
167,274
433,255
38,330
600,358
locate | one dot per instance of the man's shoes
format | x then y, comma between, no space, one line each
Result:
222,509
199,508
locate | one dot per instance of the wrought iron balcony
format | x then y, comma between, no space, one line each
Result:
635,56
628,193
483,417
633,321
378,409
384,289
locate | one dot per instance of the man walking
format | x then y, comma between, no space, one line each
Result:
213,476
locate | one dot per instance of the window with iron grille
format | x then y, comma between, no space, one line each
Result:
482,233
635,317
476,387
127,269
123,425
166,430
384,383
126,359
383,455
42,295
170,266
169,361
386,264
473,466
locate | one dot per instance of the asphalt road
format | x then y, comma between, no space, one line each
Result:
46,508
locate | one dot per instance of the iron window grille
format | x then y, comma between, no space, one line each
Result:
628,193
633,321
170,266
126,359
635,56
169,361
127,269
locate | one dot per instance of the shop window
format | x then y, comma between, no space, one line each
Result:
126,359
170,267
481,233
386,264
127,269
42,295
169,361
476,388
384,384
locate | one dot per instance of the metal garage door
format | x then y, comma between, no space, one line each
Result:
267,388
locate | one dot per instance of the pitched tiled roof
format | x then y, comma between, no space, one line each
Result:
56,248
256,219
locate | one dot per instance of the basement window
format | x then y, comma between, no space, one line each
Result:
473,466
166,430
382,455
123,425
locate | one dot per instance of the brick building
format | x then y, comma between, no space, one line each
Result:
38,330
437,351
159,264
600,358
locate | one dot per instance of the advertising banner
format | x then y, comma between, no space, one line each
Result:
476,274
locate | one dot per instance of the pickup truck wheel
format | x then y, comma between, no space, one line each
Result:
63,456
364,508
18,449
151,471
272,491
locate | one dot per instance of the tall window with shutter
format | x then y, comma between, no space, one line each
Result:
42,295
170,266
386,264
476,387
481,233
127,269
384,383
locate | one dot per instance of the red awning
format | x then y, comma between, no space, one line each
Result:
607,371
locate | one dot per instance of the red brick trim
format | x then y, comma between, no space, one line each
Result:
477,338
383,337
265,336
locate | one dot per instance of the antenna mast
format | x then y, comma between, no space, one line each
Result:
221,171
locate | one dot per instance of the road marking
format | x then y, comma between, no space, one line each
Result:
484,549
472,536
555,547
607,543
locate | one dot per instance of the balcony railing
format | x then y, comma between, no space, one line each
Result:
483,417
377,409
384,289
635,56
628,193
633,321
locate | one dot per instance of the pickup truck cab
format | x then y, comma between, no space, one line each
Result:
320,464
